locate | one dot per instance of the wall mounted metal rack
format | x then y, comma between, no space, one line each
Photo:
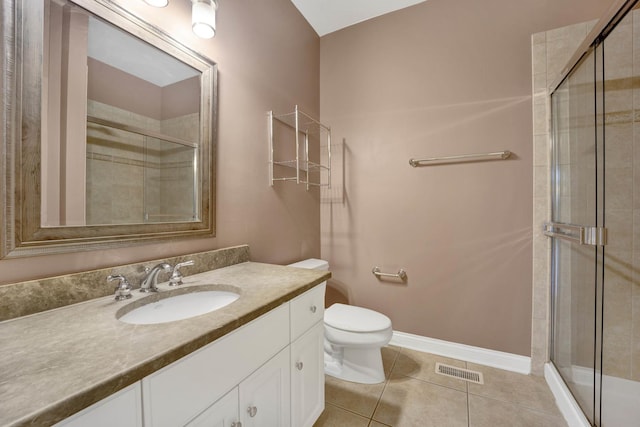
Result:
305,128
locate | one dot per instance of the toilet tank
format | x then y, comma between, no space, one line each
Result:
332,294
311,264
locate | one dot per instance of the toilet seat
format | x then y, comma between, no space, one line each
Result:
355,319
357,339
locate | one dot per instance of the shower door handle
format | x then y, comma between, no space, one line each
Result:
584,235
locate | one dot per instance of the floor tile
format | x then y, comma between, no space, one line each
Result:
414,395
486,412
525,390
337,417
408,402
389,357
359,398
420,365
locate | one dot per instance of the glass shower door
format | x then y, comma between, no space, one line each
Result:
574,204
620,406
596,187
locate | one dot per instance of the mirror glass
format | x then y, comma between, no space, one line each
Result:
121,125
111,136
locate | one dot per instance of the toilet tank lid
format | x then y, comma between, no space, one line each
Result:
355,319
311,264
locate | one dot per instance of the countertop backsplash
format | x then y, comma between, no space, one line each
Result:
24,298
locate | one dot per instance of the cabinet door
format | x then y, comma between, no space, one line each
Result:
265,398
307,377
223,413
122,409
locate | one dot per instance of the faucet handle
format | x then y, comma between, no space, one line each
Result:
184,264
123,290
176,275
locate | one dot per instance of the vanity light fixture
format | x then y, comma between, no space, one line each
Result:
203,18
157,3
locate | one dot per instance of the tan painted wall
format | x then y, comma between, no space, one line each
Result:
112,86
115,87
268,58
440,78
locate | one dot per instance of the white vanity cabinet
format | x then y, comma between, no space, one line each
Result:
272,367
288,390
176,394
267,373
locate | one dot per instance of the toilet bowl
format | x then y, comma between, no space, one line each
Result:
353,338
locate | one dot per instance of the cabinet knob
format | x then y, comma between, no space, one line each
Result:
299,365
252,411
313,308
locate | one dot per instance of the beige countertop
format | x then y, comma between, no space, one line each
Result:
55,363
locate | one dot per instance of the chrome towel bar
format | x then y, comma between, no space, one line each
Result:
401,274
593,236
498,155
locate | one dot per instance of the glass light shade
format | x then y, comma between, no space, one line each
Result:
157,3
203,18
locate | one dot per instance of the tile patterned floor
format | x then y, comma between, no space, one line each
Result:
415,396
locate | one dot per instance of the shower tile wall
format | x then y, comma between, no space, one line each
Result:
621,340
635,270
550,52
115,171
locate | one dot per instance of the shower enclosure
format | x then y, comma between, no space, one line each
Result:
595,339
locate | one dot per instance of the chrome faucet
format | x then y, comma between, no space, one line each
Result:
176,275
151,280
123,290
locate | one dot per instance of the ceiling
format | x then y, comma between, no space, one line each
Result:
327,16
121,50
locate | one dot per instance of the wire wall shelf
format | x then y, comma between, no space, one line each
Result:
294,137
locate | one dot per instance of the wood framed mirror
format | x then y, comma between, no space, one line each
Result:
108,132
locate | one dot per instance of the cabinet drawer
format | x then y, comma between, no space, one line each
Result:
180,391
307,309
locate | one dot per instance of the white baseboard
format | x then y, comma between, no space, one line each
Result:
481,356
565,401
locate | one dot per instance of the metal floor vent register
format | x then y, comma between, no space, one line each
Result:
460,373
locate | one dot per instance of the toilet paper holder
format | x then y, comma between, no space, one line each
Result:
401,274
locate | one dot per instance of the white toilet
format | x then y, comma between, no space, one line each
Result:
353,337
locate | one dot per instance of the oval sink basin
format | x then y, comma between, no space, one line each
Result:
179,307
